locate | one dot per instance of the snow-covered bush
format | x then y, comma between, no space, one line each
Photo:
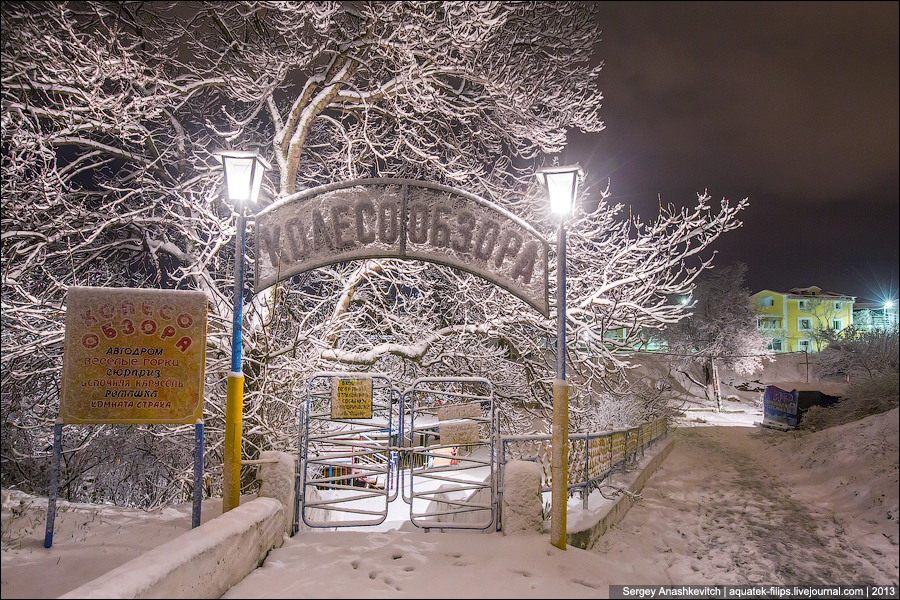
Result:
870,361
818,418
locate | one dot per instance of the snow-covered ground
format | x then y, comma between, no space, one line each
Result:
733,503
745,505
88,541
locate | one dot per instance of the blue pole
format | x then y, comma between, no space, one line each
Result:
561,303
198,474
234,403
54,482
237,323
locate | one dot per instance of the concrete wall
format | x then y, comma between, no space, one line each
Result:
277,481
202,563
206,561
522,501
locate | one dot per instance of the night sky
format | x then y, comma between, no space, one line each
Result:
792,105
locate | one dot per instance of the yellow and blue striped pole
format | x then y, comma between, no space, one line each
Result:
234,402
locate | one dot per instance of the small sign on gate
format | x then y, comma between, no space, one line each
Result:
461,429
351,398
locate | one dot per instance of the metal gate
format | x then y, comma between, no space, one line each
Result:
437,444
452,447
346,428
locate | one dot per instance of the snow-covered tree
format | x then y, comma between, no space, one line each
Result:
823,314
111,117
863,320
721,329
856,353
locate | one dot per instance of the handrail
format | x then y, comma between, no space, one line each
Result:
592,456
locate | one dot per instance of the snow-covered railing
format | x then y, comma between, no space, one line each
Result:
592,456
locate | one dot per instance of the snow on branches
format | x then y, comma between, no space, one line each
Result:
111,117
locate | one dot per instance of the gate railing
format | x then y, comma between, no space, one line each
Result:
347,463
592,456
456,479
352,458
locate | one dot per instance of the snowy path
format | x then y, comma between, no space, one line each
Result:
730,505
722,510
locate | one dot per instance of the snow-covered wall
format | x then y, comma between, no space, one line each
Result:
203,563
277,481
522,502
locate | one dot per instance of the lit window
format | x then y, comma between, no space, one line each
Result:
804,324
764,323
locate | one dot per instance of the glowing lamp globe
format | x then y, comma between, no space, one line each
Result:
243,176
561,184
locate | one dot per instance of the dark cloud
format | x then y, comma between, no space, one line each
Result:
794,105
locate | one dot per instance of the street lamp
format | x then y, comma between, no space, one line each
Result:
560,183
243,179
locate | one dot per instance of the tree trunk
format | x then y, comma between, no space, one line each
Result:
712,383
716,387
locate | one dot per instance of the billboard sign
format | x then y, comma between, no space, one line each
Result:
133,356
780,408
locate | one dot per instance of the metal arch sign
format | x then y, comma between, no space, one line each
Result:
401,218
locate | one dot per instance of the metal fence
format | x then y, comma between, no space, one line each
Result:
592,456
443,436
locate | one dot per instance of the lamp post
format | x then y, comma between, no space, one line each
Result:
560,184
243,179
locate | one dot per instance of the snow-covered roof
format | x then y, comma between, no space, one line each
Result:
817,292
810,292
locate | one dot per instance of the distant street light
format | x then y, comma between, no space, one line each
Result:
561,184
243,180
